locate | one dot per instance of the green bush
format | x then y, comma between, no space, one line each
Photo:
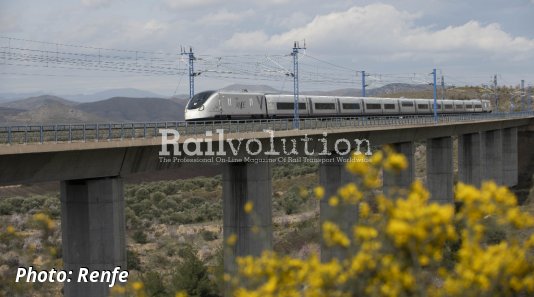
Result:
208,235
139,236
191,276
154,286
132,260
157,197
142,194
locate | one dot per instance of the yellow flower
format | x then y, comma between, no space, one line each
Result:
248,207
180,294
365,233
333,201
231,240
137,286
377,158
396,162
332,235
10,229
364,210
303,192
319,192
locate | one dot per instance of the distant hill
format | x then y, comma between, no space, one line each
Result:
251,88
135,109
389,89
6,113
123,92
339,92
52,112
37,102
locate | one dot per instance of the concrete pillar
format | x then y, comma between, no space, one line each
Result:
492,156
244,182
470,159
509,156
93,231
403,179
439,169
333,175
525,140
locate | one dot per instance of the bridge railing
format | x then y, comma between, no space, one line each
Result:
50,133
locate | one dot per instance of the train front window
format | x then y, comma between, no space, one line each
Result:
199,99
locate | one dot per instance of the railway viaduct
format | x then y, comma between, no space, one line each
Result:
497,147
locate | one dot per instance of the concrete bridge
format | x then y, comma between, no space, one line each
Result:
90,161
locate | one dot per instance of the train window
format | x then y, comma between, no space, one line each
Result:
351,105
459,105
373,106
389,106
448,106
422,106
407,104
438,106
289,105
325,106
199,99
478,106
469,106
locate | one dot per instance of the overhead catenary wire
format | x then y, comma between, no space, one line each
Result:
313,71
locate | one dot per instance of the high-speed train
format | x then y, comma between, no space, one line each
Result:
210,105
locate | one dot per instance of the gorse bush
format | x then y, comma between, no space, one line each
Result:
406,245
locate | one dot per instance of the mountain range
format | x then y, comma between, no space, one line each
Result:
133,105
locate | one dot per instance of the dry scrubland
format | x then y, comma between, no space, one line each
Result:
174,230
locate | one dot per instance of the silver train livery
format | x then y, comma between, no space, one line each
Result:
210,105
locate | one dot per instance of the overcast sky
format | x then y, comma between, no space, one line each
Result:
468,41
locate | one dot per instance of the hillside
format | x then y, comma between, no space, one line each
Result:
135,109
37,102
53,112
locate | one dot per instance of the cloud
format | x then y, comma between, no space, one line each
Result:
224,16
97,3
154,26
381,29
185,4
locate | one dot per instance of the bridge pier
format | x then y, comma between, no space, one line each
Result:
509,156
403,179
492,156
470,159
93,231
439,169
243,182
333,175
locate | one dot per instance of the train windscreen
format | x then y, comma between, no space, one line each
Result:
199,99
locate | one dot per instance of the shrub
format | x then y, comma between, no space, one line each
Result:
191,275
133,262
208,235
139,236
399,248
157,197
142,194
153,283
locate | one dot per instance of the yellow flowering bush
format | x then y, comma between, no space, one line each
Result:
405,245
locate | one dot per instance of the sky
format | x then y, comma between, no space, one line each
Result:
394,41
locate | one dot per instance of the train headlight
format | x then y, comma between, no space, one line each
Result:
201,108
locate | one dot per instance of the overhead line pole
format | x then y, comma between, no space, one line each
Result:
191,71
442,88
435,97
363,83
495,91
295,54
523,98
